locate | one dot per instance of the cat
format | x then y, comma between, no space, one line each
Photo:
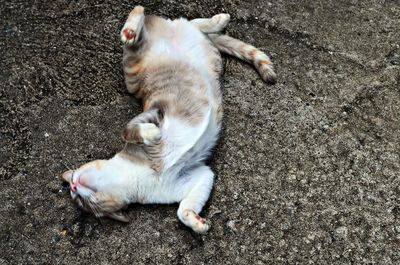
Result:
174,67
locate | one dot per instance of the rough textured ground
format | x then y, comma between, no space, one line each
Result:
307,169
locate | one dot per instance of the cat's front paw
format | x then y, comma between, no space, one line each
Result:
150,133
201,226
194,221
267,73
142,133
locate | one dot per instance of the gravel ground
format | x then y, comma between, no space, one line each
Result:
307,169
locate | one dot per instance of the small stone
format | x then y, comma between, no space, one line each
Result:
231,225
341,232
215,212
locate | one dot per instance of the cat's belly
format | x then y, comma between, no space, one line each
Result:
179,137
187,44
184,42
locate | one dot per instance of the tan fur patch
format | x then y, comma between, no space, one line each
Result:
93,164
144,155
134,157
98,164
146,105
107,202
262,62
253,53
135,70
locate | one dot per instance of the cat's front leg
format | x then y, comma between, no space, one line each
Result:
133,26
143,129
143,133
196,191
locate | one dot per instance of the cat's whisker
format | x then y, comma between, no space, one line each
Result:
95,209
88,205
65,165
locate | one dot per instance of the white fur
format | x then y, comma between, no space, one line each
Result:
180,137
182,41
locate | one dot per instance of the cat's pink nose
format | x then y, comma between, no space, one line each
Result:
129,34
73,187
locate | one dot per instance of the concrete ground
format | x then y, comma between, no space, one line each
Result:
307,169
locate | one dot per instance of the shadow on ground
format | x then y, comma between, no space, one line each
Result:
307,169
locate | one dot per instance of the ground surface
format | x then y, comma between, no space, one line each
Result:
308,170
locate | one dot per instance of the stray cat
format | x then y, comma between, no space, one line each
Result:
174,66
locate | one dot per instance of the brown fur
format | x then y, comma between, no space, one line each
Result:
144,155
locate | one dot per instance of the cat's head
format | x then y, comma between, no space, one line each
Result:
97,187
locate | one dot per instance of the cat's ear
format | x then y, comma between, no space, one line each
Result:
119,216
67,175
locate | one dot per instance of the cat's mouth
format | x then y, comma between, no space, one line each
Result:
80,193
79,200
86,204
84,198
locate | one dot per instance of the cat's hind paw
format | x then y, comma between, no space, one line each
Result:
128,36
267,73
221,20
133,26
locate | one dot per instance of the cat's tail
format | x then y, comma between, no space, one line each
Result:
246,52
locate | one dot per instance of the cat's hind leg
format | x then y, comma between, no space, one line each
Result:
212,25
133,26
196,190
247,52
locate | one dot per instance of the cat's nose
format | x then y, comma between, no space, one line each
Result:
78,181
83,182
73,187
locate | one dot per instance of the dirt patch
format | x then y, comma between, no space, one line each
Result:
312,177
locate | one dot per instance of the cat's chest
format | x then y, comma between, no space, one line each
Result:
173,47
182,41
155,189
